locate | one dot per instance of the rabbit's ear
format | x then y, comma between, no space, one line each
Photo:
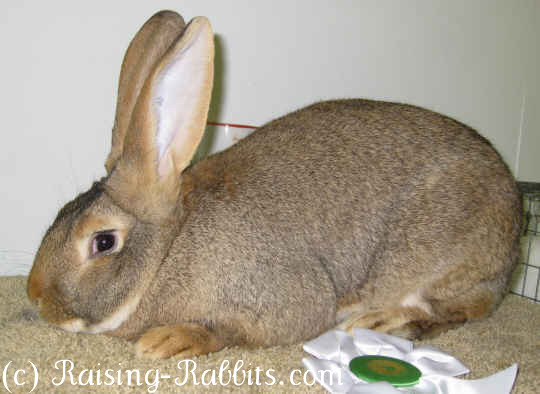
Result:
180,97
144,52
167,124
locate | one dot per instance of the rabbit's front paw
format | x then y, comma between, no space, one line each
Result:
183,340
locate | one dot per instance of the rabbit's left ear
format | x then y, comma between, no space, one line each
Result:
145,51
168,122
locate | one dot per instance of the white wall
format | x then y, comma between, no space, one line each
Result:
477,61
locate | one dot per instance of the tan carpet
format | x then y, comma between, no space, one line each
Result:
511,335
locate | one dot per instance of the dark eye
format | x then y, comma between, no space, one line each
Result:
103,243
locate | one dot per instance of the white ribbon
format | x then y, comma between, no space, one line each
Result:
334,350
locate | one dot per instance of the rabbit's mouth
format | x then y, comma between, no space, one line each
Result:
109,323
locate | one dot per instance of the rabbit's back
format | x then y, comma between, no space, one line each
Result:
343,200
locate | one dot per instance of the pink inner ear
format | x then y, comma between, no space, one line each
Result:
181,94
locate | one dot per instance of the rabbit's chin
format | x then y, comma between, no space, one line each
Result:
110,323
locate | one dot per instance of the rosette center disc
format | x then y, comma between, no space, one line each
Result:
385,369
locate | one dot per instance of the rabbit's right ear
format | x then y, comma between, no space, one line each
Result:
144,52
166,126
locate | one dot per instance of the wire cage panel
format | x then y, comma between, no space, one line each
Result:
526,278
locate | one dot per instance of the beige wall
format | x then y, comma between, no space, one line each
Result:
477,61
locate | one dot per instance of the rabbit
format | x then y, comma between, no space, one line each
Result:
346,213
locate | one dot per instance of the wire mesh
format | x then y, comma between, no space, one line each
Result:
526,278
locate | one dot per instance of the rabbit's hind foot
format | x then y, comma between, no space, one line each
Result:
406,322
413,319
182,340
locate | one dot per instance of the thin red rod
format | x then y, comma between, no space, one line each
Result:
240,126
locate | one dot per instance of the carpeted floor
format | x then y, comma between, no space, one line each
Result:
511,335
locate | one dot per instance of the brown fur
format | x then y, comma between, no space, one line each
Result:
351,212
188,339
154,38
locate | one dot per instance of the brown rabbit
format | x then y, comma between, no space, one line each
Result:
350,213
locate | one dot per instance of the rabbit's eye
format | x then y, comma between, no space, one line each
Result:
103,243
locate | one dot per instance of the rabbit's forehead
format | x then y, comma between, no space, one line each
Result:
102,214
